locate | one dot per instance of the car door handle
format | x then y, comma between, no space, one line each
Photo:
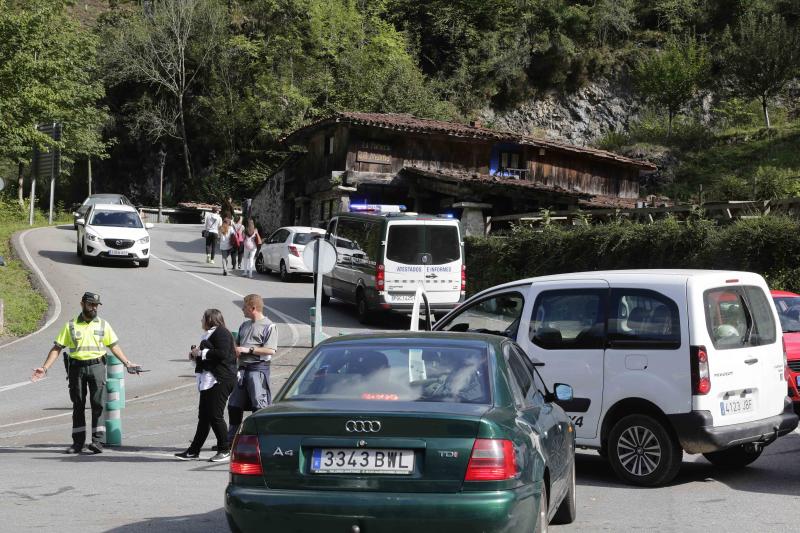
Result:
751,361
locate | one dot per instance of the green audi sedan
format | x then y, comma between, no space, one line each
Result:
407,432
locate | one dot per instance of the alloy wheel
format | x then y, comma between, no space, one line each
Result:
639,451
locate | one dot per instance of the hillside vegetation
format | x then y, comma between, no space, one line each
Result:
214,84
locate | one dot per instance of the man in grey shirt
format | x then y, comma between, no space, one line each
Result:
257,343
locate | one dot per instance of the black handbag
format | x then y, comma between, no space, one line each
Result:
204,233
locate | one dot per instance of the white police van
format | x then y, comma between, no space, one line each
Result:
661,361
383,255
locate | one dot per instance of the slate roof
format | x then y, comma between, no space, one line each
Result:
410,123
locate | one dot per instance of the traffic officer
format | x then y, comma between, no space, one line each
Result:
87,336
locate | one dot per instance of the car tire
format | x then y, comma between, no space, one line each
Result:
325,300
541,514
643,452
736,457
260,268
567,511
362,309
79,249
285,275
144,263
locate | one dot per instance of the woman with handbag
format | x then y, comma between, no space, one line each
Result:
238,253
227,244
211,232
252,240
215,368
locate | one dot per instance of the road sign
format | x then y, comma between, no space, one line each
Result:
327,256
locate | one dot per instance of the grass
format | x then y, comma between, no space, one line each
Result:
24,306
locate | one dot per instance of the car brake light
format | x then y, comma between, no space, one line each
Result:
492,460
701,379
293,251
380,277
463,277
246,456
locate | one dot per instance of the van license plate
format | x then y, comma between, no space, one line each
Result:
357,461
402,298
735,406
117,252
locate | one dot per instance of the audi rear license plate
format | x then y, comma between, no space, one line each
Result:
360,461
117,252
735,406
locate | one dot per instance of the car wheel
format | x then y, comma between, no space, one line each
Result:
285,276
736,457
361,307
144,263
541,516
325,300
567,511
79,249
260,268
643,452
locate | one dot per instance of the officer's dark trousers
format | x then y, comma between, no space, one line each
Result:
83,379
211,416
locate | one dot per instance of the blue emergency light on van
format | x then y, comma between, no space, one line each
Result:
376,208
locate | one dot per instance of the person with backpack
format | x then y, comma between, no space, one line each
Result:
238,252
87,336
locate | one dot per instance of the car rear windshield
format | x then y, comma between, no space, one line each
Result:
304,238
116,219
395,373
739,316
423,244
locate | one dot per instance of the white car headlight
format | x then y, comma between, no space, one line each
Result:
144,240
91,237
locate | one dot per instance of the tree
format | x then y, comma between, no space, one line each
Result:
166,45
612,17
670,77
762,54
47,73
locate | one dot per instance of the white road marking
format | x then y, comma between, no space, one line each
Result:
15,385
56,301
288,319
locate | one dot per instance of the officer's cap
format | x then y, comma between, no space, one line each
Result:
91,298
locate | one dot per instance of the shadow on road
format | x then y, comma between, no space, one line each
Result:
196,246
211,521
773,473
69,258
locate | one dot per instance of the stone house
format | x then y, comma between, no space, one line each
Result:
436,167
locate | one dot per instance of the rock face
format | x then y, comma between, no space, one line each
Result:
579,118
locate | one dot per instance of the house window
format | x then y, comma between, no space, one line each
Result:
329,144
509,160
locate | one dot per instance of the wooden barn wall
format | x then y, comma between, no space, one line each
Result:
315,164
582,173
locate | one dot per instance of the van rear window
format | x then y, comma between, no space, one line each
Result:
423,244
739,316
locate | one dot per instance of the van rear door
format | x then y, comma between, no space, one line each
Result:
745,354
427,253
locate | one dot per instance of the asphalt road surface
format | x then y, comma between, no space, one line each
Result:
139,486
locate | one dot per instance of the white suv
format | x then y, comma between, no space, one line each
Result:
660,361
113,232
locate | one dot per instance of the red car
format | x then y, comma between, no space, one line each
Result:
788,304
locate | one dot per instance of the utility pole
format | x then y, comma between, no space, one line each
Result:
89,172
162,154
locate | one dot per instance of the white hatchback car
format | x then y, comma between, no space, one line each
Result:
282,252
113,232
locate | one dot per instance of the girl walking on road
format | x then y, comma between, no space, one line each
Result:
252,240
227,246
238,253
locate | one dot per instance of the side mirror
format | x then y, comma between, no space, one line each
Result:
563,392
80,222
148,225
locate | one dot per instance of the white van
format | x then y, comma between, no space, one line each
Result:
660,361
381,259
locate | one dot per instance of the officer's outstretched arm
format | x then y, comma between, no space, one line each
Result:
116,350
39,373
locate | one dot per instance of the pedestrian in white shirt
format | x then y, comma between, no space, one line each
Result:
227,246
211,228
252,240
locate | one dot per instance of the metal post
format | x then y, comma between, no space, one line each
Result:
89,173
317,335
33,197
115,400
162,155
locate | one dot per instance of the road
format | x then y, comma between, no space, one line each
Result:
140,487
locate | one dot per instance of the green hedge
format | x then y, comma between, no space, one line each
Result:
768,245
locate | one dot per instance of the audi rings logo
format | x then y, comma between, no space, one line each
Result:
362,426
